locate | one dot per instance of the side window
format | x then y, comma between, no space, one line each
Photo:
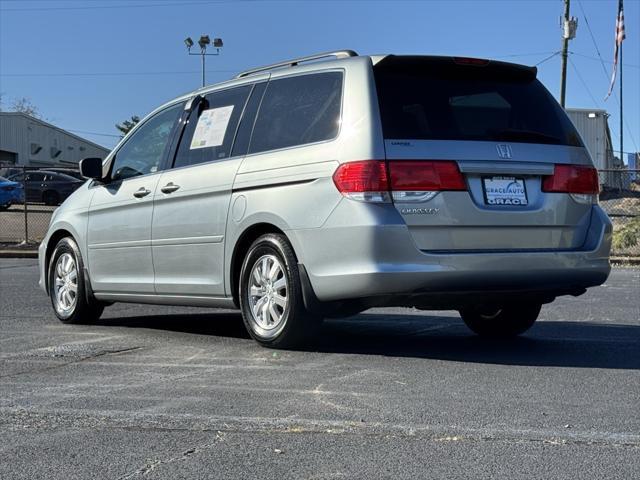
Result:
298,110
143,152
211,128
35,177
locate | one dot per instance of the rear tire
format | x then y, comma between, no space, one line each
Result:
501,322
67,288
271,299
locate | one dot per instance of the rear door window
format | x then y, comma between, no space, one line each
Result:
440,100
211,127
35,177
298,110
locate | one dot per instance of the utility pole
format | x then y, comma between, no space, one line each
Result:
569,27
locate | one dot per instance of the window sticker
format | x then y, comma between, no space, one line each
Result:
211,128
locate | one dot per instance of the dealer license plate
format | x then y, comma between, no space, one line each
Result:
504,191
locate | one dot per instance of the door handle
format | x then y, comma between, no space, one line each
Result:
170,188
141,192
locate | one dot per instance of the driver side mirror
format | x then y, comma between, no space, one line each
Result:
91,168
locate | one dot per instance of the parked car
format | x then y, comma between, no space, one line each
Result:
312,189
68,171
48,187
10,193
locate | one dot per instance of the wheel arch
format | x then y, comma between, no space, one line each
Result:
51,245
241,247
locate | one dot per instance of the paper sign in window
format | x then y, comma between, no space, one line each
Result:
211,128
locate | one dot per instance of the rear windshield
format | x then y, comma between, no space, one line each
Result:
440,100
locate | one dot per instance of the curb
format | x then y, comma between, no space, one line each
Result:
625,260
17,253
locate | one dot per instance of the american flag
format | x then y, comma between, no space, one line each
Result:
620,36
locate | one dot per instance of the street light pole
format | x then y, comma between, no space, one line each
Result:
203,70
203,43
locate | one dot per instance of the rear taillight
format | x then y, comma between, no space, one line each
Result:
578,180
366,180
572,179
414,180
421,176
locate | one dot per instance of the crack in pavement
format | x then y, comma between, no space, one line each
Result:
62,418
150,466
72,362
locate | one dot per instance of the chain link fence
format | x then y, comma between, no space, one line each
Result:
28,197
24,220
620,198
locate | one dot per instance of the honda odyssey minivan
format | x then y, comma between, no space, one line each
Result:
323,186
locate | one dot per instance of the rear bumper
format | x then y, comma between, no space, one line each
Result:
346,262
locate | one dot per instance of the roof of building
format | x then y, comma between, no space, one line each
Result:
49,125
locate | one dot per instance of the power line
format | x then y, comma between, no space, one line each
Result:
548,58
535,54
110,7
189,72
575,69
84,132
109,74
631,65
593,38
606,74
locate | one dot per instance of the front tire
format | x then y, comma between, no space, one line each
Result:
67,289
271,300
501,322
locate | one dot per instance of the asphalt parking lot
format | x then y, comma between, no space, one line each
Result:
159,392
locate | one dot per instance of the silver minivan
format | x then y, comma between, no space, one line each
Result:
323,186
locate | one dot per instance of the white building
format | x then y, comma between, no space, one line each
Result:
593,127
28,141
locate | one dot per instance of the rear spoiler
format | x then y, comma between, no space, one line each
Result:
475,67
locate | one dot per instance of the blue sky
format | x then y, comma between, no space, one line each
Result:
88,64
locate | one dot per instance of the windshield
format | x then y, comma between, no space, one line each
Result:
437,100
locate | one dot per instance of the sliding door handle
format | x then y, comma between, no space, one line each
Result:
170,188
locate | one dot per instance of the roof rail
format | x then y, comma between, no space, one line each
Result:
296,61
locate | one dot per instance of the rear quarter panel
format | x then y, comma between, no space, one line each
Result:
292,188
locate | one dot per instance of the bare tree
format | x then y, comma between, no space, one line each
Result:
25,105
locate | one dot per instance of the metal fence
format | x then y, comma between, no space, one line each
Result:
26,222
26,208
620,198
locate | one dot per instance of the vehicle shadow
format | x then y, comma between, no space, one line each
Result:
218,324
548,343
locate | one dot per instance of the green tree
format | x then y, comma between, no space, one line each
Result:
126,126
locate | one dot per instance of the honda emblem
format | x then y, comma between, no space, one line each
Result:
504,151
